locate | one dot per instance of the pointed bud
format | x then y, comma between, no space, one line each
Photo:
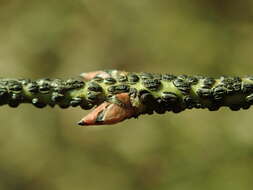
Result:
109,112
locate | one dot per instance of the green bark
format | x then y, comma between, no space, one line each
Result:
148,92
42,92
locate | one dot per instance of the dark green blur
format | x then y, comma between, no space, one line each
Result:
41,148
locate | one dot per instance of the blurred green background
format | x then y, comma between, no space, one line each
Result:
193,150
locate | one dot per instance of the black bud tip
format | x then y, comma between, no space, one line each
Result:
81,123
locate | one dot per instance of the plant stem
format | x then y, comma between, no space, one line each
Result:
146,92
42,92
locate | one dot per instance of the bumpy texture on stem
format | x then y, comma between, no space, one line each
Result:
119,95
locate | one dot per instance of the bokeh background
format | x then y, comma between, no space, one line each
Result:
194,150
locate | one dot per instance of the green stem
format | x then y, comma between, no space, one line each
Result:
148,92
42,92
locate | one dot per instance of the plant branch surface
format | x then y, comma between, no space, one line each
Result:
119,95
